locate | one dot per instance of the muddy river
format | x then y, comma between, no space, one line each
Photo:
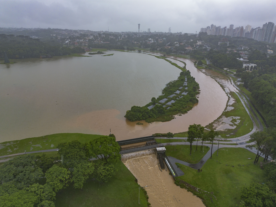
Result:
92,94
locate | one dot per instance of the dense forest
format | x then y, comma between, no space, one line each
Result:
223,60
36,180
262,84
20,47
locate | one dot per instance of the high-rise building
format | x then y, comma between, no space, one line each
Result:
247,28
268,32
230,30
273,35
263,32
148,29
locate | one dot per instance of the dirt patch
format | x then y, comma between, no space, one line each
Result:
160,185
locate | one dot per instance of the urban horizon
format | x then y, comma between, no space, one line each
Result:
266,33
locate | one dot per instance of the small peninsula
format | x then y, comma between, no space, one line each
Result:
178,97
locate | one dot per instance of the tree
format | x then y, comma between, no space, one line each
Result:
22,171
153,100
57,177
270,174
170,135
194,131
200,130
72,152
103,172
45,162
46,204
199,62
20,198
81,173
258,138
258,195
211,136
43,192
105,149
204,138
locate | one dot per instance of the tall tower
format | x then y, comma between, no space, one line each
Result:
138,27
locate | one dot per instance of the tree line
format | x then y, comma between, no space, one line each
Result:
223,60
31,180
262,84
21,47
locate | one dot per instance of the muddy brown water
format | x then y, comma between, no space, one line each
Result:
92,94
159,185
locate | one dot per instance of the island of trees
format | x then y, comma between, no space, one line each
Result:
178,97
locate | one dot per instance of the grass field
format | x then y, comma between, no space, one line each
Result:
223,177
120,191
243,127
42,143
182,152
181,134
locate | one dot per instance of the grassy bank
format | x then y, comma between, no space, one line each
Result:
121,190
245,124
109,54
222,177
42,143
181,134
172,63
182,152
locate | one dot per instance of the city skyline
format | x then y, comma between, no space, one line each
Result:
265,33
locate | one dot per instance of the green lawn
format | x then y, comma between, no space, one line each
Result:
42,143
121,191
243,127
223,177
181,134
182,152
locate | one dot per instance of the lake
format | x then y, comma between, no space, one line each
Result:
92,94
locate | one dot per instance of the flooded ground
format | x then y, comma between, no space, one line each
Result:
159,185
92,95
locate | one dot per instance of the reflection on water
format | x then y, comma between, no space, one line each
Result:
92,94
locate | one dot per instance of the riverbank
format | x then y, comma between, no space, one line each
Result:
43,142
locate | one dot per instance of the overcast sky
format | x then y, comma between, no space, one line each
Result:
124,15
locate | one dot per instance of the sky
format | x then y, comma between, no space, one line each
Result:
124,15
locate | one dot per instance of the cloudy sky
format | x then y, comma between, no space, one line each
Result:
124,15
